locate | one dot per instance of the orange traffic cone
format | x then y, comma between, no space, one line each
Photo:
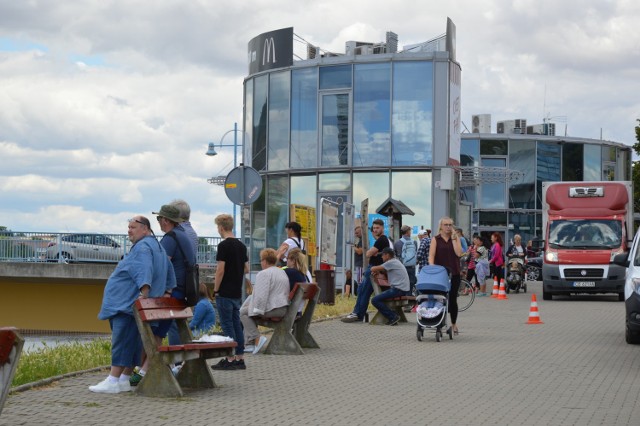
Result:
534,315
495,291
502,294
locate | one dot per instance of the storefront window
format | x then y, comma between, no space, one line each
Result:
334,182
338,77
304,118
374,186
412,119
414,190
592,162
371,115
259,146
548,159
572,162
277,210
493,194
278,155
522,157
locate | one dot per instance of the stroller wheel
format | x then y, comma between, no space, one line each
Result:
419,334
450,333
438,336
524,288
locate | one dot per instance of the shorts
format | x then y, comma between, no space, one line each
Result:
126,345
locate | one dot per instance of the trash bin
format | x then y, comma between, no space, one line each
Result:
327,282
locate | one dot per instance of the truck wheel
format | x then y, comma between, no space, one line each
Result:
631,337
621,297
546,295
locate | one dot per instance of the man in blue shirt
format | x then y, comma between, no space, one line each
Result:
144,272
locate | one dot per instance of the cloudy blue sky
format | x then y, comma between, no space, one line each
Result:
107,106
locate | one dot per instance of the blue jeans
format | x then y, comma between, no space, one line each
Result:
126,345
365,290
378,301
229,315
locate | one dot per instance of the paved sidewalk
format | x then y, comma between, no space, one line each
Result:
575,369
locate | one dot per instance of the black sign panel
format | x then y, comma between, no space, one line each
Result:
271,50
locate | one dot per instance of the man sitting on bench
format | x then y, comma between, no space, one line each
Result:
399,284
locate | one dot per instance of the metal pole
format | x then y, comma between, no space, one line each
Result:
235,159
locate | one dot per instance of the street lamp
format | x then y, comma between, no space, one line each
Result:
219,180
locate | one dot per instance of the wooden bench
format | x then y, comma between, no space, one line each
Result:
195,373
11,344
397,304
290,335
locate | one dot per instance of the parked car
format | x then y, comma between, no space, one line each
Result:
631,260
85,248
534,268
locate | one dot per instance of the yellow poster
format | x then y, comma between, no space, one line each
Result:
306,217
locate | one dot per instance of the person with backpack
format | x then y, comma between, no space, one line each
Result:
294,240
407,252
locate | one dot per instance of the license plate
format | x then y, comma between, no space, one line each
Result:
584,283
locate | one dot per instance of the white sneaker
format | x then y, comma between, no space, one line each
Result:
124,386
260,344
248,349
106,386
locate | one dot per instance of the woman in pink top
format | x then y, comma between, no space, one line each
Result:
496,261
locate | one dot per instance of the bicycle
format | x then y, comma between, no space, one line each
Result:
466,295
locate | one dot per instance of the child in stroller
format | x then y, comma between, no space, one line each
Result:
433,288
515,266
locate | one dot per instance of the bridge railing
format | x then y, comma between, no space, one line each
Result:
80,247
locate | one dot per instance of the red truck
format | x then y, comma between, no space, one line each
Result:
584,225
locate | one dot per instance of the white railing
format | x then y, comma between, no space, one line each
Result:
80,247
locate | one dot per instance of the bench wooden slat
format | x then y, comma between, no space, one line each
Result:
11,344
165,314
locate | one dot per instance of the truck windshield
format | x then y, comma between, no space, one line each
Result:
588,234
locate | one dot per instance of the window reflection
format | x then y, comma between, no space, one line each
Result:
493,194
493,147
334,182
413,189
371,115
304,118
335,129
248,123
278,210
522,157
303,190
259,232
259,147
572,162
279,121
337,77
548,160
592,162
469,157
412,120
374,186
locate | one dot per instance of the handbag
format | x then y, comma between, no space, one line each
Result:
191,276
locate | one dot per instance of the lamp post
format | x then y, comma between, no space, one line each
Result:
219,180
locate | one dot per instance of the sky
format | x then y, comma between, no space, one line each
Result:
107,107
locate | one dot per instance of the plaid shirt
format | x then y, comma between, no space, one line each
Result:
423,252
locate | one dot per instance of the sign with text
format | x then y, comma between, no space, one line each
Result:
306,217
271,50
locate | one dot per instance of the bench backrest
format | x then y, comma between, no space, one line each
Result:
162,308
309,289
8,337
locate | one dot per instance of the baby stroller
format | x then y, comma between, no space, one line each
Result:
515,279
433,288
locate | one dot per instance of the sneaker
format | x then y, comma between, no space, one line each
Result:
351,318
394,321
135,379
248,349
260,344
238,364
224,364
124,386
176,369
105,386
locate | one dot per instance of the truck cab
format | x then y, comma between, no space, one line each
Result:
586,224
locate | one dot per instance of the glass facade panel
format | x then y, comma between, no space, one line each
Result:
259,146
412,119
335,129
548,159
259,230
592,162
493,194
279,89
374,186
372,115
413,189
334,182
304,118
493,147
493,219
303,190
572,162
248,123
277,209
469,157
523,225
522,157
338,77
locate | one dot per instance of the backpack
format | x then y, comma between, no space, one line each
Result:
409,252
191,277
301,247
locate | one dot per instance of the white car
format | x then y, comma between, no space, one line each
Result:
85,248
631,290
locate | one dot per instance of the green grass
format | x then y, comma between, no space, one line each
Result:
50,361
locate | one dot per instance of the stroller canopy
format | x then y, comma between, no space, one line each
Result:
433,278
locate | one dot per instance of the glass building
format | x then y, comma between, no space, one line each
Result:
514,206
372,123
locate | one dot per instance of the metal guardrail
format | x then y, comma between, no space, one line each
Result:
80,247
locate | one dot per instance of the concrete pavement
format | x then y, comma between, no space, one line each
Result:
575,369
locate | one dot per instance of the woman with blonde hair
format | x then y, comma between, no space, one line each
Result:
296,268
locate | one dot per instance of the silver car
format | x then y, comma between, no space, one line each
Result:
85,248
